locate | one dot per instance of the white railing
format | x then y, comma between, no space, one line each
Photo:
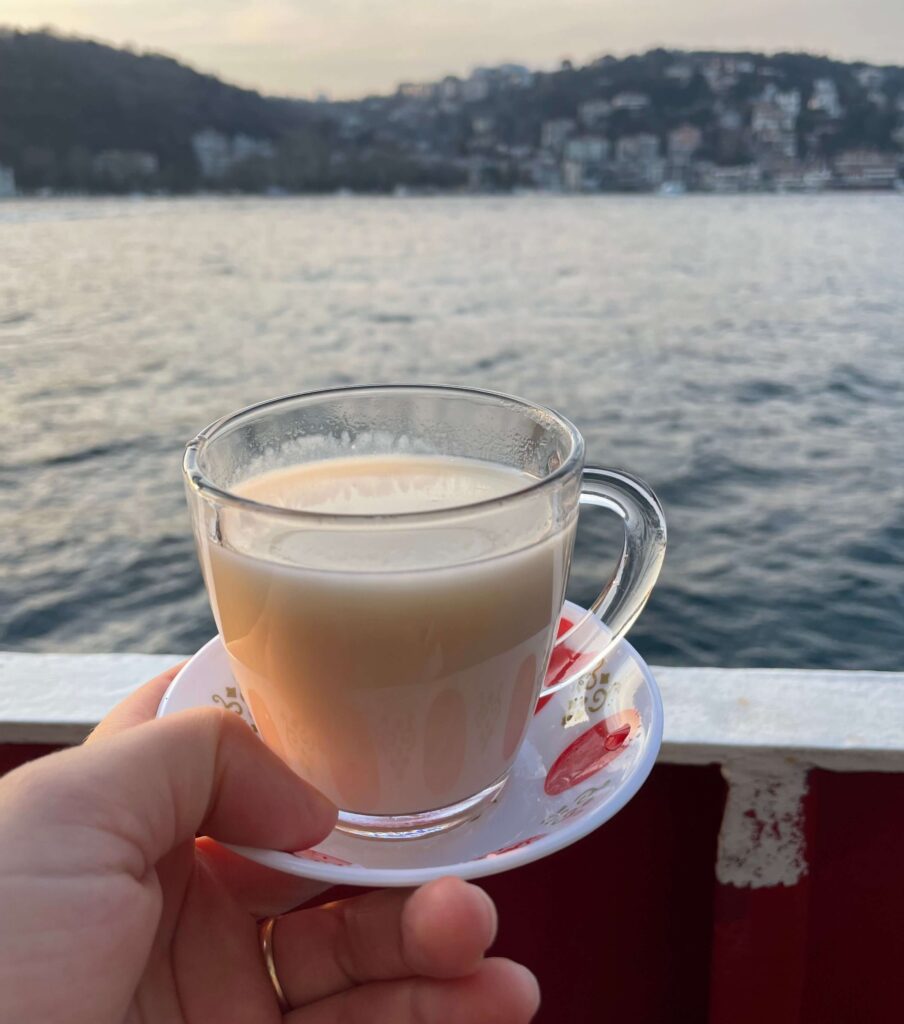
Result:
765,727
845,721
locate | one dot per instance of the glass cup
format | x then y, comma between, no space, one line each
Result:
394,660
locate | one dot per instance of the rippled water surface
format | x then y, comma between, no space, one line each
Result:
744,355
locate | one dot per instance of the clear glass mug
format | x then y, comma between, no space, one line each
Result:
395,660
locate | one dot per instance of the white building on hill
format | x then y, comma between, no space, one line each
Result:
7,182
825,99
217,153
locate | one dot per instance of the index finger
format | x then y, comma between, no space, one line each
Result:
140,706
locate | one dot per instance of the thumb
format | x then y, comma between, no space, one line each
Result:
154,786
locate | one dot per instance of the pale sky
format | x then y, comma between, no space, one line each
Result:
351,47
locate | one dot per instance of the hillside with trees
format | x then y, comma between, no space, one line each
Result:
76,115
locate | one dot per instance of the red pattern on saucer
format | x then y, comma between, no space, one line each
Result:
592,751
513,846
561,660
323,858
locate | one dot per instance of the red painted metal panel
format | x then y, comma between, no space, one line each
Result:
856,935
759,954
829,949
760,948
621,922
14,754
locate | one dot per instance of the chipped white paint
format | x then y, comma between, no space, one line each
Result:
761,841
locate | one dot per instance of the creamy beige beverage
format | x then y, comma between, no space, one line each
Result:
406,683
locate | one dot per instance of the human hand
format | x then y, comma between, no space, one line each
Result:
111,910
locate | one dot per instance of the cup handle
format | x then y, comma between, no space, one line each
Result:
626,593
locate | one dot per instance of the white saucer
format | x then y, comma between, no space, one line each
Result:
589,749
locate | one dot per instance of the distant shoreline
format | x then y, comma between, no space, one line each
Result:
78,117
898,190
